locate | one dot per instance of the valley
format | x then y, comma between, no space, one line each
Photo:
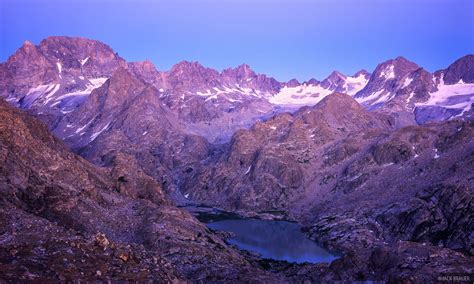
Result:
135,174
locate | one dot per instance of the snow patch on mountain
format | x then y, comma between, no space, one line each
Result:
407,82
97,82
80,129
388,73
457,96
355,84
60,67
410,97
93,84
41,89
371,97
97,133
300,95
248,170
213,97
34,94
50,95
202,94
84,61
387,96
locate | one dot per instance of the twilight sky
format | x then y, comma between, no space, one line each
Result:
281,38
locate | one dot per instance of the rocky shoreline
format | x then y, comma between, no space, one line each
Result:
364,254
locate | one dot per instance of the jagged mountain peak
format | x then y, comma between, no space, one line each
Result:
72,41
145,63
362,72
66,40
385,81
393,68
311,81
336,74
144,68
27,43
239,73
293,83
146,71
70,57
76,48
334,81
27,48
122,75
401,59
192,74
461,69
244,67
334,78
186,65
398,61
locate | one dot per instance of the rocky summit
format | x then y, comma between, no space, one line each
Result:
104,164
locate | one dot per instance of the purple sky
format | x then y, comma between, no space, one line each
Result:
282,38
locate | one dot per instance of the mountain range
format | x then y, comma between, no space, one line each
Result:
55,78
99,152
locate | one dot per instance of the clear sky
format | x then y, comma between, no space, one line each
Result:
282,38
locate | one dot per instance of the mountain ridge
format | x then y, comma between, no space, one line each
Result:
239,93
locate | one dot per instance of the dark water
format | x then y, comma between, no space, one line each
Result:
278,240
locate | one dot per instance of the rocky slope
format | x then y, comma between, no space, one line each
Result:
338,154
65,219
360,186
125,120
269,175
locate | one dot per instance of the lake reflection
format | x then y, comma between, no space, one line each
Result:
279,240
